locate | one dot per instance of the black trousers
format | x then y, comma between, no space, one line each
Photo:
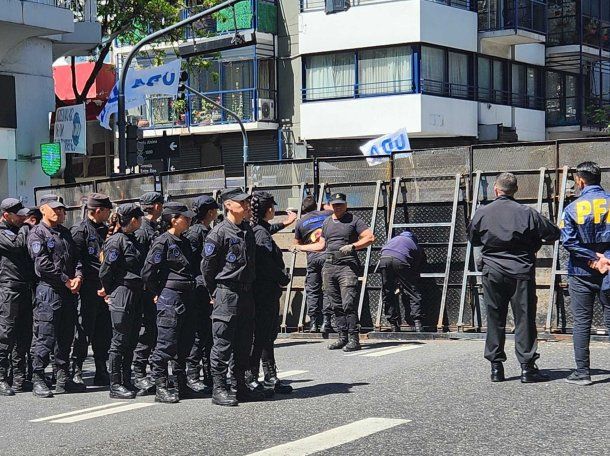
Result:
341,290
148,334
55,316
233,330
175,332
583,291
317,305
15,330
94,326
202,346
126,316
266,324
499,290
397,275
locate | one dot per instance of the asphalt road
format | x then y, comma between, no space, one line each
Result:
394,398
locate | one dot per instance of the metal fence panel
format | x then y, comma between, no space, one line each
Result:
518,156
334,170
126,188
284,172
432,162
175,184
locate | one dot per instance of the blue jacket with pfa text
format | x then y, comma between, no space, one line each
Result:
585,229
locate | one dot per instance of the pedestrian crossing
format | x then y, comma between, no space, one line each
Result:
93,412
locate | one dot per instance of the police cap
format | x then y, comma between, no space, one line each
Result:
234,194
53,201
203,204
98,200
32,211
129,210
12,205
264,198
151,198
338,198
174,208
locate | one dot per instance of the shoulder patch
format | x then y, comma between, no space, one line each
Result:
268,245
157,257
9,234
233,241
36,247
209,248
51,243
113,255
231,258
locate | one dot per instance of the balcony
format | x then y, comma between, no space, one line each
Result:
87,33
512,22
320,5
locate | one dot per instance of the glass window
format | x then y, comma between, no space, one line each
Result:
484,78
208,76
266,78
433,64
554,91
571,90
238,84
330,76
533,88
518,83
499,81
458,75
387,70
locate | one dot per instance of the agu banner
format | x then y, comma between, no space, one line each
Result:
70,129
159,80
385,145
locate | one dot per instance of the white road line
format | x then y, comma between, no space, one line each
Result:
366,350
287,374
391,351
112,411
332,438
76,412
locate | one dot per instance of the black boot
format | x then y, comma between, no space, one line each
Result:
144,384
20,383
531,374
40,387
244,393
5,389
220,394
65,384
126,376
340,342
271,380
313,327
101,373
163,394
497,372
353,344
207,374
255,385
395,326
117,388
195,384
419,327
327,326
77,372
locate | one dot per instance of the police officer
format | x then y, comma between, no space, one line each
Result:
400,266
206,211
120,275
308,229
342,235
16,277
169,273
94,318
270,278
32,216
586,236
510,234
152,205
59,270
228,270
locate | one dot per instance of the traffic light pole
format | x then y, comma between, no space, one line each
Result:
244,135
123,76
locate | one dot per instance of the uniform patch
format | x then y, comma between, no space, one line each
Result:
233,241
50,243
36,247
92,250
9,234
175,250
231,258
113,255
157,257
209,248
268,245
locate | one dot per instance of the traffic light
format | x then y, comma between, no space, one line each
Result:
184,77
134,134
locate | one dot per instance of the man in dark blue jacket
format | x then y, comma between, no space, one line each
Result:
400,265
585,233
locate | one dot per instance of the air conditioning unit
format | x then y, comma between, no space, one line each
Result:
336,6
266,109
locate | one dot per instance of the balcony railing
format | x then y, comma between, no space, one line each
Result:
527,15
67,4
319,5
358,90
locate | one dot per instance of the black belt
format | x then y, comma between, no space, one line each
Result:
180,286
235,286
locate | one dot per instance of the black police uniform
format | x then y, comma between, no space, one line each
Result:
56,260
270,278
510,234
307,230
120,274
199,356
228,270
16,279
168,273
340,271
145,235
94,325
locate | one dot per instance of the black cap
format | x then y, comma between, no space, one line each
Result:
264,197
151,198
175,208
234,194
12,205
203,204
53,201
100,200
338,198
129,210
33,211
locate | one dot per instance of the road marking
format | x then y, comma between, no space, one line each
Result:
76,412
366,350
97,414
385,350
332,438
287,374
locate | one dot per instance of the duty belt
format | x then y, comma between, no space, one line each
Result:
337,256
236,286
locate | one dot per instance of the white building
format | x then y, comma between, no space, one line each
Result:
32,35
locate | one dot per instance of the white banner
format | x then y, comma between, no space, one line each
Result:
159,80
385,145
71,129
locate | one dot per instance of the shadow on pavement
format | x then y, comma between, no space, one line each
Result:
297,342
323,389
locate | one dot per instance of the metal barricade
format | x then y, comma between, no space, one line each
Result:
186,186
129,188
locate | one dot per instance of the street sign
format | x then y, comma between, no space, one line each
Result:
160,147
51,159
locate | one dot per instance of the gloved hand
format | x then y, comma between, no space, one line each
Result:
347,249
285,280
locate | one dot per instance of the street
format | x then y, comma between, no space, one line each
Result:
392,398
